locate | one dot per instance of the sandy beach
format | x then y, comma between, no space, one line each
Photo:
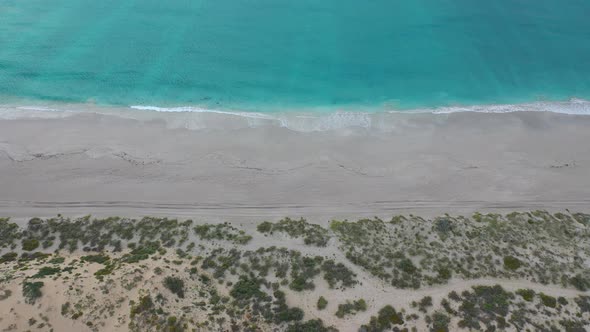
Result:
423,163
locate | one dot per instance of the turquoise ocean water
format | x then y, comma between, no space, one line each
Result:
277,55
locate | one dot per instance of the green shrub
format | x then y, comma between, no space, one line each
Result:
583,303
246,288
440,322
30,244
57,260
26,257
314,325
580,282
46,271
444,273
312,234
32,291
65,308
142,252
484,304
264,227
108,269
175,285
512,263
386,317
406,265
145,305
351,308
322,303
223,231
100,259
526,294
548,301
335,273
8,257
425,303
572,325
300,283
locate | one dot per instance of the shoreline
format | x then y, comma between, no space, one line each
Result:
378,118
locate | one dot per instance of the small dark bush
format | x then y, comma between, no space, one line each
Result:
264,227
322,303
100,259
314,325
349,308
425,303
8,257
407,266
46,271
440,322
32,291
245,289
580,282
526,294
387,317
548,301
175,285
512,263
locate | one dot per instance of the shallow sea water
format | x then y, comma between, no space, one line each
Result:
282,55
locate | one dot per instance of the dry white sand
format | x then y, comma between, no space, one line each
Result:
424,163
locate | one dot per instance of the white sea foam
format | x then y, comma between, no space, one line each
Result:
572,106
197,118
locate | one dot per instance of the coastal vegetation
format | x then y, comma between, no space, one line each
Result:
167,275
